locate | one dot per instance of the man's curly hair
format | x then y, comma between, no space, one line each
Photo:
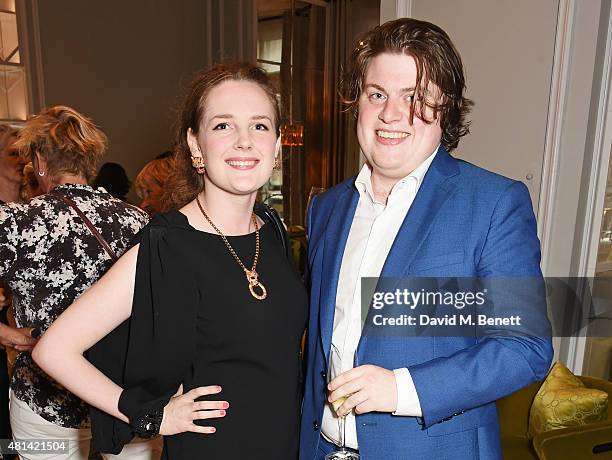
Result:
437,61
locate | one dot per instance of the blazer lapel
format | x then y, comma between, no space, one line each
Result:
336,234
436,188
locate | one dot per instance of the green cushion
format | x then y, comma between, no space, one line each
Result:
563,401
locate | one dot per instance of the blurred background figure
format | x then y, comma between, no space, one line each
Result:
30,188
80,231
150,183
113,178
11,175
11,165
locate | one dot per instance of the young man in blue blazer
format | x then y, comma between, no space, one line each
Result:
413,211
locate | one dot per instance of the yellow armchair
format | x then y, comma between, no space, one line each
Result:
592,441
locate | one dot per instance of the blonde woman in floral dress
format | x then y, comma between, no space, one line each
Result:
49,257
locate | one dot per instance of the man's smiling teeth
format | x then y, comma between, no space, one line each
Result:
241,162
391,134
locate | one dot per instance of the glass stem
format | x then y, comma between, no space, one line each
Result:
342,422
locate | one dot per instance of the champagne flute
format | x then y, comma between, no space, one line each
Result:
314,191
334,370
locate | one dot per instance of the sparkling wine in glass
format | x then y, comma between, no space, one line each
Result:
334,370
314,191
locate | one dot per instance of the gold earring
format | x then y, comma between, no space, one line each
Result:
198,163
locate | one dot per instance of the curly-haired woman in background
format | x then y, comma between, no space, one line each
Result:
151,184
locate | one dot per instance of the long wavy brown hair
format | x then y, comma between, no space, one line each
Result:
437,61
69,142
184,183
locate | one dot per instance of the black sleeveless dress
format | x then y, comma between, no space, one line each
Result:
248,347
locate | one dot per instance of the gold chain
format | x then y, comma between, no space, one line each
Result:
251,275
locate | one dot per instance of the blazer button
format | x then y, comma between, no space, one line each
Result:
315,425
323,375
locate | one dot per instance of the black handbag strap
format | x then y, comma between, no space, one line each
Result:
94,231
268,213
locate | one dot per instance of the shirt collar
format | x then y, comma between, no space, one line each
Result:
363,182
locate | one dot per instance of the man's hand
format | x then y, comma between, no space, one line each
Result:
18,338
371,389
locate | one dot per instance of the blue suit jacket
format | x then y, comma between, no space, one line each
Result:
464,222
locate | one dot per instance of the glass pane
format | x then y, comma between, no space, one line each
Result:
12,93
17,95
4,104
294,33
270,50
270,40
604,253
271,191
598,347
7,5
9,42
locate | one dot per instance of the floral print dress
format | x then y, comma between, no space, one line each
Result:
49,258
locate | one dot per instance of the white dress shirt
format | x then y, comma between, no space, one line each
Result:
372,233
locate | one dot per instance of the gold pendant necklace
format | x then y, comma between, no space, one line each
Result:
256,289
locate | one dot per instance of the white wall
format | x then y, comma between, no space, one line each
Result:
508,58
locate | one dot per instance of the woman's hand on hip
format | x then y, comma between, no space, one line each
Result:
183,410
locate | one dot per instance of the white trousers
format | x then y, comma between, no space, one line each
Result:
139,449
27,425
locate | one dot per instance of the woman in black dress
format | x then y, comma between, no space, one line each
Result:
206,305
